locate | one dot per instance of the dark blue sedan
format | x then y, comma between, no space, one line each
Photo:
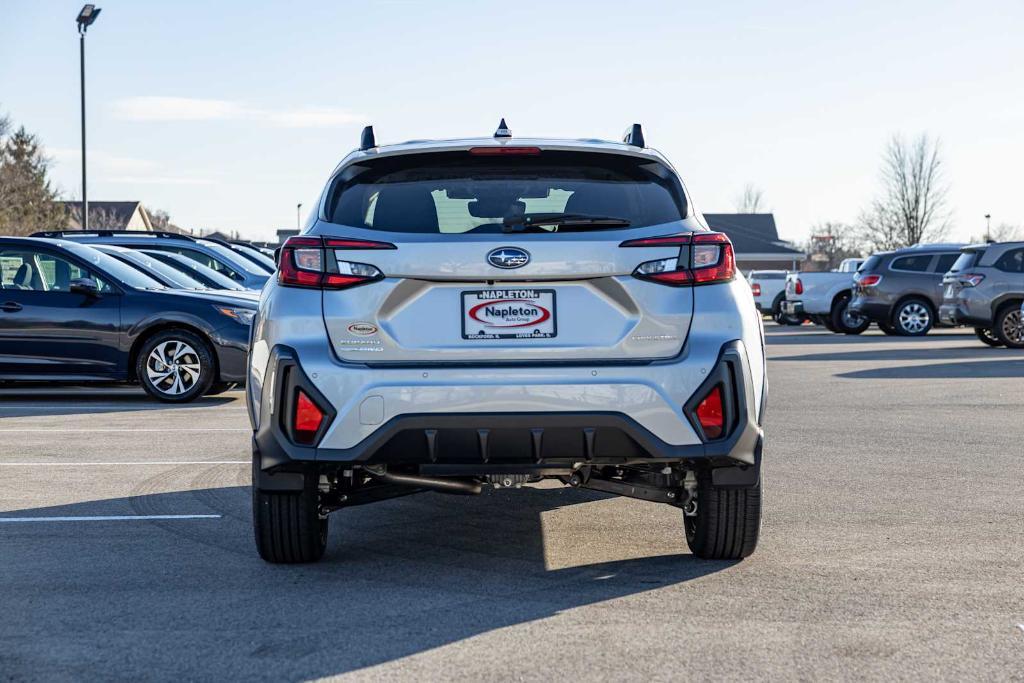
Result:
71,313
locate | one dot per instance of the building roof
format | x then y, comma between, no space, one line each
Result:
109,215
752,233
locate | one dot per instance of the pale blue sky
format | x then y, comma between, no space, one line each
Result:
227,114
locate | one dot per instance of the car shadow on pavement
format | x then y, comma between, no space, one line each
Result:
15,402
971,352
966,370
811,337
191,599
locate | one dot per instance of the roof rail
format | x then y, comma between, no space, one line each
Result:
113,233
634,135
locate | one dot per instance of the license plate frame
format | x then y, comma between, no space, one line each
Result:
544,299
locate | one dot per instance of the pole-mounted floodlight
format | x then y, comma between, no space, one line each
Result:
87,16
85,19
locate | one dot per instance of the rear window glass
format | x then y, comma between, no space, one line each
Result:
457,192
870,264
945,262
917,263
967,259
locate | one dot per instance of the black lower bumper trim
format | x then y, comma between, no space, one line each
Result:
507,441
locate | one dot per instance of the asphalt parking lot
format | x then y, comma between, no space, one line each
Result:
893,545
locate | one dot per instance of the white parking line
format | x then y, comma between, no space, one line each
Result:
105,518
118,464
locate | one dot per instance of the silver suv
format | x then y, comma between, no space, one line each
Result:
495,312
985,289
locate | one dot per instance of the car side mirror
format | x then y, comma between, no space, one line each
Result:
85,286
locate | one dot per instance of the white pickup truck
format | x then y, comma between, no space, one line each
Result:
824,297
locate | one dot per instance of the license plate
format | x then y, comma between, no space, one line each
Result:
508,314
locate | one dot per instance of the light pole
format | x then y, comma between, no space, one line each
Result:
988,227
298,217
85,19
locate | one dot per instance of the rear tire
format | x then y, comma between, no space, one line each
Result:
727,523
987,336
888,329
287,525
826,320
1009,326
844,320
913,318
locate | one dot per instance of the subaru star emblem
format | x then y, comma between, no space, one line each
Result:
508,257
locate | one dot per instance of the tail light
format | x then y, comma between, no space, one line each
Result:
308,418
311,262
755,289
970,279
869,280
711,415
711,259
798,288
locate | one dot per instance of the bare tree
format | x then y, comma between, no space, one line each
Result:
912,205
751,200
1004,232
831,242
159,219
99,218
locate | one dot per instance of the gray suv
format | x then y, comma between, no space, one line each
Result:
901,290
494,312
985,289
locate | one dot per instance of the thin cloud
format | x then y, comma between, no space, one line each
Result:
170,109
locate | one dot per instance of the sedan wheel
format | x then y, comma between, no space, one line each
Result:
914,318
175,366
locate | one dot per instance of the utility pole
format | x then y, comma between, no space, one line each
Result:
988,227
84,21
298,217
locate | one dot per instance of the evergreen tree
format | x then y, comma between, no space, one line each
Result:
28,202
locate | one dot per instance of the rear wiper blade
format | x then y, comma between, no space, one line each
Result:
567,220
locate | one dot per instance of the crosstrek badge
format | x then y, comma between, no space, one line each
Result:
508,314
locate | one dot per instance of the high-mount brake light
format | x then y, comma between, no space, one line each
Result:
310,262
308,418
869,280
970,279
711,259
711,414
504,151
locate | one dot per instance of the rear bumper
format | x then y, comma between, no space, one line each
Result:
954,314
519,441
873,311
793,307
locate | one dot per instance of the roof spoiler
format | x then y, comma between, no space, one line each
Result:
111,233
634,135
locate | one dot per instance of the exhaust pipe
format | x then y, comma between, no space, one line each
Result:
462,487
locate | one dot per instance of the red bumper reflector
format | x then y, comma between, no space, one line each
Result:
710,414
307,418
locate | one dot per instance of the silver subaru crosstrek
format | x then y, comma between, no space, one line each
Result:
495,312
